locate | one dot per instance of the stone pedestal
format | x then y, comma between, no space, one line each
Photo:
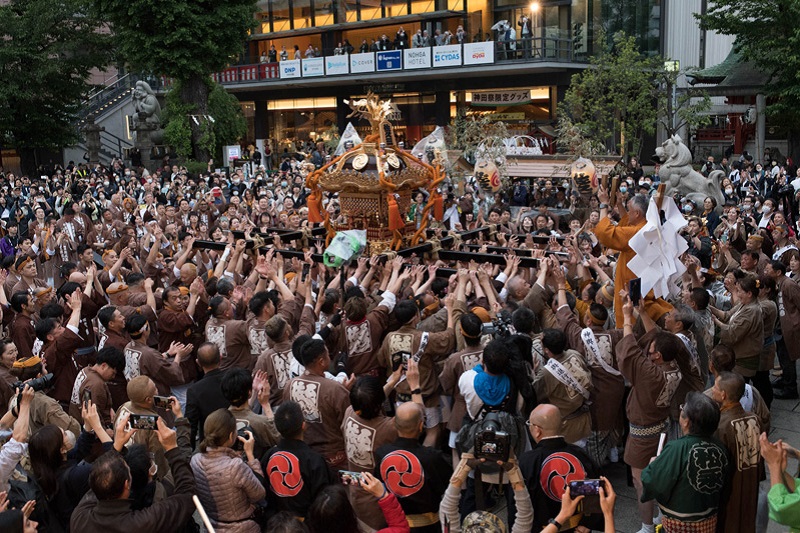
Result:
144,143
91,132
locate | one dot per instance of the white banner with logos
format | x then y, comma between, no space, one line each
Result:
362,62
417,58
501,98
337,65
290,68
314,66
479,53
447,56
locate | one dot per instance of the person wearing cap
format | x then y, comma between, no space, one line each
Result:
23,328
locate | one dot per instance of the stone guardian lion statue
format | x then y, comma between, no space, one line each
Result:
677,173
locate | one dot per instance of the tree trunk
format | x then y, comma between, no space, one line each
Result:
27,161
194,90
793,144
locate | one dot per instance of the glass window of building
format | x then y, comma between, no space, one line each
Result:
281,15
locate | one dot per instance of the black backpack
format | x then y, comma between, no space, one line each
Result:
20,492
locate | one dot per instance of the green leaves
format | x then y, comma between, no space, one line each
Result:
767,35
49,48
179,38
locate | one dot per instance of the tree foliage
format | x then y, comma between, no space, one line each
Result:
179,38
688,110
614,99
478,138
185,40
229,125
49,47
767,36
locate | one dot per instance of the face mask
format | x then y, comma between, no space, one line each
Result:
127,172
565,185
106,183
623,189
149,181
235,182
642,182
747,207
687,208
728,191
102,196
284,184
766,209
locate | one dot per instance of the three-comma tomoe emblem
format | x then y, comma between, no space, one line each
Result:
283,471
402,472
557,471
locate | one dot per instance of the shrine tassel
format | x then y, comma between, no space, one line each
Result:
314,215
395,220
438,206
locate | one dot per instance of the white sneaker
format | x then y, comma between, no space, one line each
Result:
647,529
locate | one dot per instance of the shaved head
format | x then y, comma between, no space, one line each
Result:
407,419
546,417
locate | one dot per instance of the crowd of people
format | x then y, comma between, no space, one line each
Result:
169,335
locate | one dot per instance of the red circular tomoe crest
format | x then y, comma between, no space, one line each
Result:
402,473
557,472
283,471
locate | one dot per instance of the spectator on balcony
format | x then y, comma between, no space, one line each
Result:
461,35
263,58
374,47
401,40
416,41
272,57
297,53
364,46
310,52
339,50
438,38
384,43
526,32
348,48
284,53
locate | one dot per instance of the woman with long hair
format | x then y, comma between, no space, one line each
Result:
228,487
60,472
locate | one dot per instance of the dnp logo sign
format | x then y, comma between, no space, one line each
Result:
479,53
389,60
290,69
336,65
447,56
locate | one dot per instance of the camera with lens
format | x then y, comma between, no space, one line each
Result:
37,384
242,427
491,443
500,326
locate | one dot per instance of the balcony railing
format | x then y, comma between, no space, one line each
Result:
413,59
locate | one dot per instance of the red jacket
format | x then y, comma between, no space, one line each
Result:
394,515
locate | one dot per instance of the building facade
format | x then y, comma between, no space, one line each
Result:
510,59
